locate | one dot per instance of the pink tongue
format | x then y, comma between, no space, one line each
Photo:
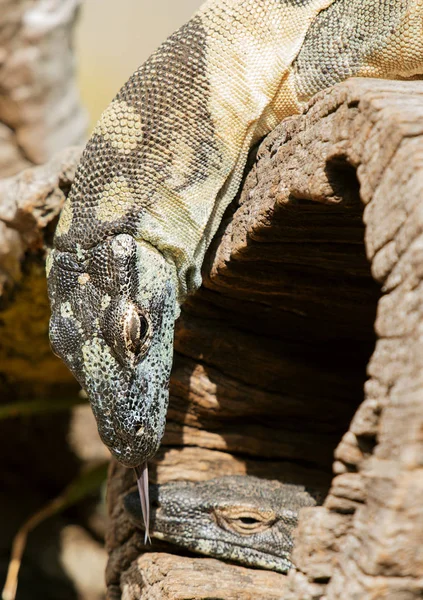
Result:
142,482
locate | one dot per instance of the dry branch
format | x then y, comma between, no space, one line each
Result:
271,352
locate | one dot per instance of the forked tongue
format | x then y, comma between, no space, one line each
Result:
142,482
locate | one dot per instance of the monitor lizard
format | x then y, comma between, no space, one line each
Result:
161,167
243,519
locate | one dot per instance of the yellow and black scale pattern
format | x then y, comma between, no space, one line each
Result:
164,162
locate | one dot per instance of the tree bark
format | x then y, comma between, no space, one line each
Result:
270,355
179,578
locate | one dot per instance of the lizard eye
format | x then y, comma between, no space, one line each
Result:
126,330
135,329
243,521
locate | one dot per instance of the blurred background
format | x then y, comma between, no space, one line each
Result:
50,439
114,37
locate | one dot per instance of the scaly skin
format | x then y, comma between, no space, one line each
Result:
239,518
162,165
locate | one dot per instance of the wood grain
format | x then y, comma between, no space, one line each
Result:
271,353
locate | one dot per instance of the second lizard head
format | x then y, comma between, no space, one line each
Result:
239,518
113,312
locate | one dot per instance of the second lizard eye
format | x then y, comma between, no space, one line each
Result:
244,521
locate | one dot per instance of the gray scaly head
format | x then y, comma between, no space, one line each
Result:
112,322
239,518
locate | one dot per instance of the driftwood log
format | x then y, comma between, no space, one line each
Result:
271,353
271,356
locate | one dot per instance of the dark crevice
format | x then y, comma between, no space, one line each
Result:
342,176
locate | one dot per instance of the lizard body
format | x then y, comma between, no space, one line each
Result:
239,518
162,165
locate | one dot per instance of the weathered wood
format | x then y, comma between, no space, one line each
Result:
379,480
177,578
270,353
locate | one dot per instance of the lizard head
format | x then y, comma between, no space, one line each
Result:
239,518
112,322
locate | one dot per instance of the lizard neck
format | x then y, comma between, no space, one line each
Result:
165,160
243,97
